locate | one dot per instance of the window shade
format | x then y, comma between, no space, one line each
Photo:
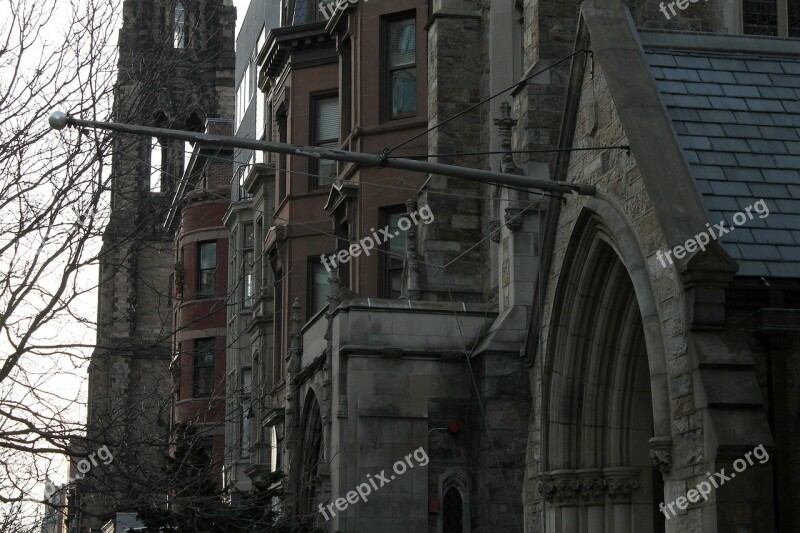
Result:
402,43
327,119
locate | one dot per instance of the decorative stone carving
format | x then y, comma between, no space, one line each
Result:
341,412
589,486
513,218
622,488
593,490
562,490
547,489
661,453
505,125
494,230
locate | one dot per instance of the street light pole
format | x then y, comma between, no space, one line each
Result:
59,120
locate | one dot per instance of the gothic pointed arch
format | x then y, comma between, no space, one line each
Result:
604,384
312,456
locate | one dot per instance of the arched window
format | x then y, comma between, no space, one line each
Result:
453,511
312,456
180,25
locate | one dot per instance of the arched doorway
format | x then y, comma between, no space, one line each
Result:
597,406
312,455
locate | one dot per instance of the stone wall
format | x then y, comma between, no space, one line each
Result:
455,72
615,174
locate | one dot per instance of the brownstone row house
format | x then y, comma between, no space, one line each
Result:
356,365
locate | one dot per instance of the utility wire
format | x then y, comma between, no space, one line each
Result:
502,152
388,151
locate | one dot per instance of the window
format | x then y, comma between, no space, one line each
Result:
206,278
246,88
319,287
248,286
452,511
247,411
180,25
392,260
326,135
780,18
401,71
347,86
203,367
252,73
282,158
156,165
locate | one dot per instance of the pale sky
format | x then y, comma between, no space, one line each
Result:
241,9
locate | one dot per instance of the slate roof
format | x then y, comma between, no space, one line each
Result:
737,117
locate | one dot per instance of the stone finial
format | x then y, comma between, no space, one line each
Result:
506,124
296,327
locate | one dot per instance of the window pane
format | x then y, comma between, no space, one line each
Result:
156,161
321,287
248,235
180,26
204,366
249,280
208,255
247,414
403,86
794,18
397,244
327,125
326,169
205,352
402,43
207,282
760,17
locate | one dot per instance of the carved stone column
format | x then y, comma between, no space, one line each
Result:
621,484
293,368
412,284
333,303
593,497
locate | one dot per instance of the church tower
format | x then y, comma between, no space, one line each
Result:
175,70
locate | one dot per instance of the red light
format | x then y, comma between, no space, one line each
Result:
454,428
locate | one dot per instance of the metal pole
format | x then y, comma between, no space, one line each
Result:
59,121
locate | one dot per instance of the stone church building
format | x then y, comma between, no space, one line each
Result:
651,374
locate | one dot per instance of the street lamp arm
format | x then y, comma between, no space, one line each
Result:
59,120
